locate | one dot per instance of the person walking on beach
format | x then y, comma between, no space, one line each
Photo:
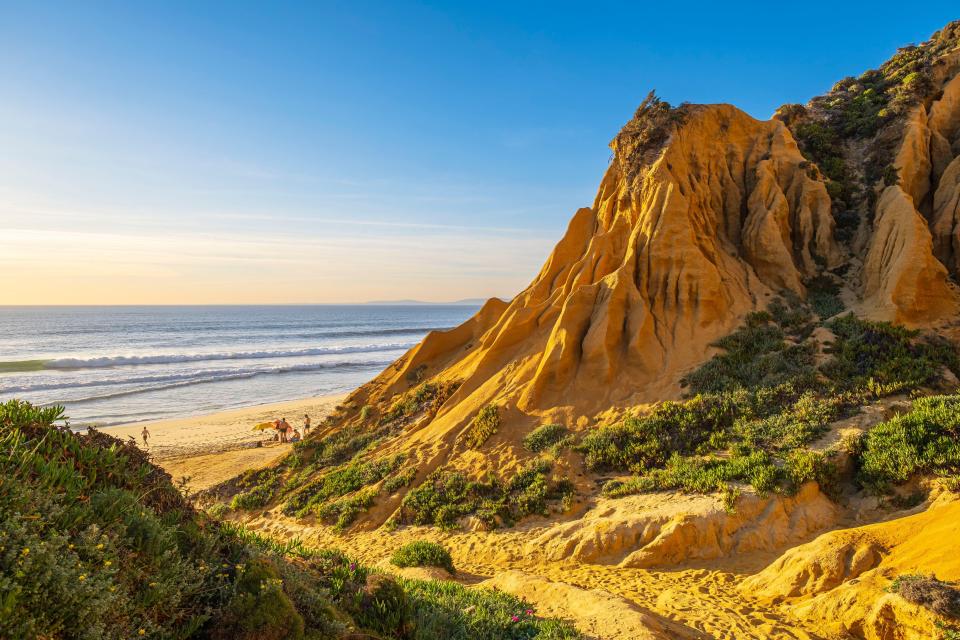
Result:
306,424
281,430
145,435
285,430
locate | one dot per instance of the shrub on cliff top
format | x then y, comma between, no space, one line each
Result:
641,139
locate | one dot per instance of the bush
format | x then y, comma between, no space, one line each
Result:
384,607
702,475
423,554
943,598
341,513
882,356
545,437
255,498
765,427
444,609
823,296
756,355
218,510
446,496
927,439
259,609
641,139
318,494
398,481
729,495
638,443
484,425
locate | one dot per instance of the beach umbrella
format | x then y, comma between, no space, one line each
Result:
263,426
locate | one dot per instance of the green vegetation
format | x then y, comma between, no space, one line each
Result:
484,425
344,511
96,542
761,402
334,478
822,295
947,631
711,473
883,358
642,138
339,482
729,495
757,355
365,412
454,612
446,496
258,487
421,553
925,440
427,396
548,436
398,481
834,128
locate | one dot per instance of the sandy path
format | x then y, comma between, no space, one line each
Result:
703,597
214,447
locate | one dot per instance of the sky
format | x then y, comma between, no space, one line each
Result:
320,152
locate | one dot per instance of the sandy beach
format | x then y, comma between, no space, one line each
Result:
214,447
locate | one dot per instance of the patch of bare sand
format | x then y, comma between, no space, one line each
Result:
840,580
215,447
204,471
701,596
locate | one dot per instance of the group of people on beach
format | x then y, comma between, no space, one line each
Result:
287,433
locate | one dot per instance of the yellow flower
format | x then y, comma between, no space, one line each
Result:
142,632
100,546
107,563
153,584
70,546
26,550
82,577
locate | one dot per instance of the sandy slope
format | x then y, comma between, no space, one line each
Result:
840,580
702,597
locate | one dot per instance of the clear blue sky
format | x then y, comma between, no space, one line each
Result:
289,152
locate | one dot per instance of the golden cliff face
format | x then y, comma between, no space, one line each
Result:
704,215
676,250
915,242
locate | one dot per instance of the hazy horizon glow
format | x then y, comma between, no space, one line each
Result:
200,152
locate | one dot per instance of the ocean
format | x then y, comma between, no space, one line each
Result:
115,365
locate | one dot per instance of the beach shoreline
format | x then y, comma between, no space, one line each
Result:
209,448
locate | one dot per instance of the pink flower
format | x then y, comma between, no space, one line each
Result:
529,612
515,619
